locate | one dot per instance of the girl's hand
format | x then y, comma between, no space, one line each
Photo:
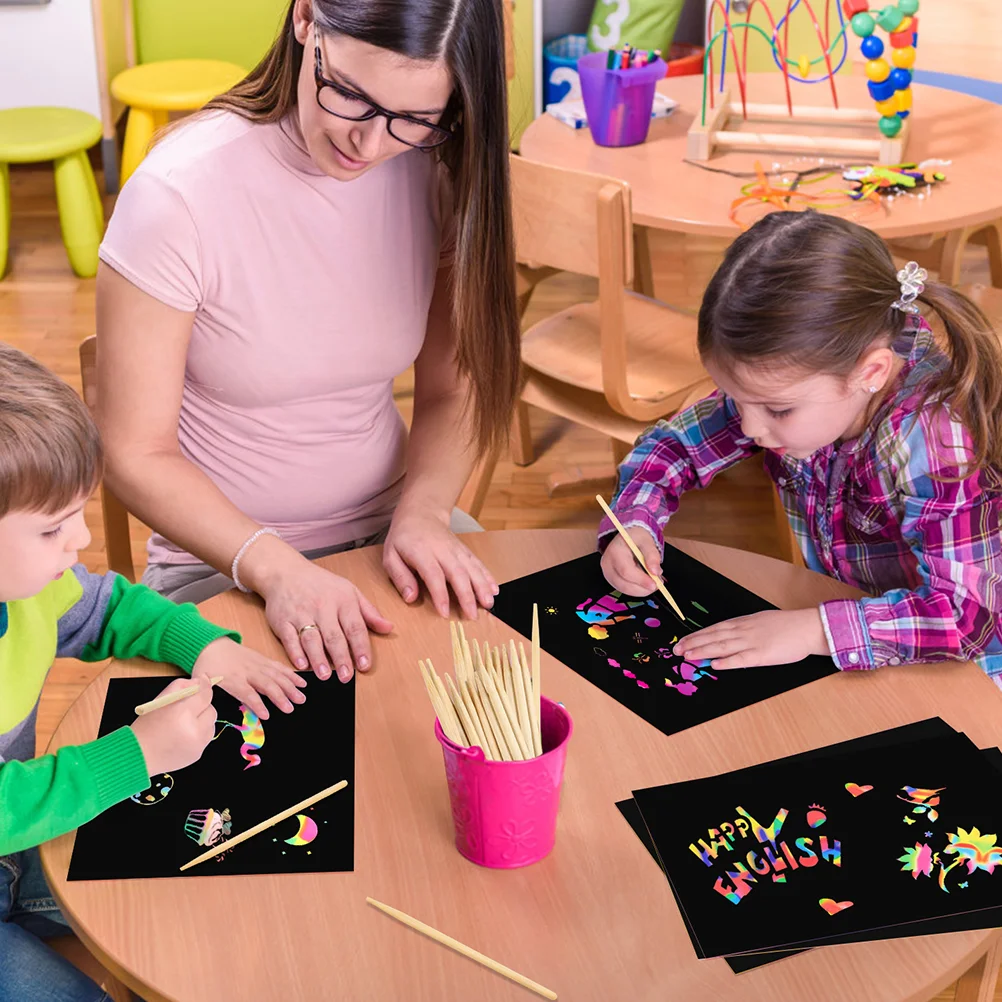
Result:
304,594
621,569
246,674
765,638
420,543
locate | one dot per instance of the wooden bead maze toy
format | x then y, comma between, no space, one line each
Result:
889,82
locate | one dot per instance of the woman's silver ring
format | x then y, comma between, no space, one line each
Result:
308,626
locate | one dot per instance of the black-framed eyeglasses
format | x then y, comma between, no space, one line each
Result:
343,103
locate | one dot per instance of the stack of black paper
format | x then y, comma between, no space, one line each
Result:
893,834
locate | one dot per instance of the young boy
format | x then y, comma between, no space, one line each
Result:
50,462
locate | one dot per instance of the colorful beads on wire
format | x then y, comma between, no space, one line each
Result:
889,88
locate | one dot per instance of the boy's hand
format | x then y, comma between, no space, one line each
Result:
621,569
766,638
175,736
247,673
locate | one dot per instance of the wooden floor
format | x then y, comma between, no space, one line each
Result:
46,311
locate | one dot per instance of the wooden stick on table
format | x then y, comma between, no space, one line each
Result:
173,697
243,836
466,951
640,557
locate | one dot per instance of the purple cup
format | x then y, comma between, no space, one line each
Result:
618,102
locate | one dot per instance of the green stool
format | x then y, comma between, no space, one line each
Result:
30,135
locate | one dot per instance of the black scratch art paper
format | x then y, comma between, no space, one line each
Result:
252,770
987,919
623,644
800,852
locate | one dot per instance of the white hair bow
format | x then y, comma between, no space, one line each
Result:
912,279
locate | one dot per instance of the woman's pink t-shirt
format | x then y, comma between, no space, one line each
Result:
309,295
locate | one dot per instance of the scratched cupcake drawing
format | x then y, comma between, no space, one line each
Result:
207,826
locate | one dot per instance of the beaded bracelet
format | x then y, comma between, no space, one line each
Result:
243,549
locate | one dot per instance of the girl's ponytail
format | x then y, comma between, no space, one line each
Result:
971,386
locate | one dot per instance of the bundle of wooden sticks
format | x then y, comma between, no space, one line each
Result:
493,702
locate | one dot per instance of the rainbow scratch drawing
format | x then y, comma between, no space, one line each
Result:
253,734
977,851
208,826
307,831
689,674
925,801
158,789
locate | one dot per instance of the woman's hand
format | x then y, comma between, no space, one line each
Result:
621,569
421,545
248,675
321,619
765,638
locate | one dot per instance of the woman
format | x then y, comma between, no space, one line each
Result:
270,267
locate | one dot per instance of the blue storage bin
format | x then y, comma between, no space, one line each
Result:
560,67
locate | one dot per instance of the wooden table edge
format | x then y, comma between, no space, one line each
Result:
990,938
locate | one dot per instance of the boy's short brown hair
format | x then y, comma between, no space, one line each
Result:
50,449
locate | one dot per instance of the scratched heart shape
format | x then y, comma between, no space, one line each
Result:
856,790
833,907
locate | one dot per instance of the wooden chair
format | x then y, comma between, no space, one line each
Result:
944,252
71,949
615,365
117,543
989,299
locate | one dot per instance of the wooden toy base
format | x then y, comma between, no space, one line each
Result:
705,140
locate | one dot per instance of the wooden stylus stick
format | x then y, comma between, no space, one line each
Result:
536,706
466,951
640,557
243,836
173,697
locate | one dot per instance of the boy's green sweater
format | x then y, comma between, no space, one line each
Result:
90,617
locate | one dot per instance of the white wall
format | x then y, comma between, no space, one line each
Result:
47,56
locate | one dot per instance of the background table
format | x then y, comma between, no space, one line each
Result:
672,195
593,921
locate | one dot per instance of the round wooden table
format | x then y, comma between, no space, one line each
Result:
672,195
593,921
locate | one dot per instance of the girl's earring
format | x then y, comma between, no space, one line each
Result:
872,389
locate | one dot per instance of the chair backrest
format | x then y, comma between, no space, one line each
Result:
114,514
567,219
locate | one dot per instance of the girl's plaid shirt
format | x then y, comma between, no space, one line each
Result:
881,512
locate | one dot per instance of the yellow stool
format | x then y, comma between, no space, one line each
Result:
151,90
63,135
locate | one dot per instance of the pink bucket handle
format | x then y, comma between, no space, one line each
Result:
474,754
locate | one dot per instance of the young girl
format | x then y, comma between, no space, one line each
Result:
884,440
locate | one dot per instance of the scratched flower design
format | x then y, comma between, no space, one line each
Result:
917,860
978,851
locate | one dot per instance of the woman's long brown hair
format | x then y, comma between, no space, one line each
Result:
468,35
815,291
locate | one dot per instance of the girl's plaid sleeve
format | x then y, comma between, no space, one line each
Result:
952,527
675,456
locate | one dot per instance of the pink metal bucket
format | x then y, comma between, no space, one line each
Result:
505,813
